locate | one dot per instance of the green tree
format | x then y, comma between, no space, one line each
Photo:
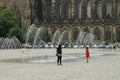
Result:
8,21
19,33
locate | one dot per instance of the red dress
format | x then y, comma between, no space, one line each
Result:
87,53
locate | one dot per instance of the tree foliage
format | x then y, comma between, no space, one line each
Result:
19,33
7,21
9,26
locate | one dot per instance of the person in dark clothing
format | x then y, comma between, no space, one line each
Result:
114,47
59,55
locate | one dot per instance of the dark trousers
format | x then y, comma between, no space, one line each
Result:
59,60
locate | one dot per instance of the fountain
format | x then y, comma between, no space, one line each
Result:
55,38
62,37
85,39
9,43
48,55
36,37
28,34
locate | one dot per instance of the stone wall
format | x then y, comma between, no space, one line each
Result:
94,17
21,8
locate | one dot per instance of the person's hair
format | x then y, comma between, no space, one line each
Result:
86,47
59,46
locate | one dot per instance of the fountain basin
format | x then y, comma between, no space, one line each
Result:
48,55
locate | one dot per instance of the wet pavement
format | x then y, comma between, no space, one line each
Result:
103,65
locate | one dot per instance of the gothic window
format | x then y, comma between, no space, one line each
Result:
53,1
89,10
109,8
104,11
118,34
86,30
100,10
79,11
72,9
38,6
57,9
69,12
75,34
67,8
97,33
118,8
107,35
48,9
60,10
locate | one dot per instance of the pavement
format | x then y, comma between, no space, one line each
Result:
102,67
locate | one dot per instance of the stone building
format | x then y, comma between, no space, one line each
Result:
98,17
21,8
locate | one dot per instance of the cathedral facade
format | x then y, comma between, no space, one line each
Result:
98,17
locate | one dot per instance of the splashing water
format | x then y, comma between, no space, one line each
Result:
62,36
9,43
56,37
28,33
36,36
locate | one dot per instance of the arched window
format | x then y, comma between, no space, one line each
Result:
89,10
67,6
75,34
107,35
48,10
100,10
53,1
72,9
69,12
97,33
58,9
86,30
118,8
118,34
109,8
79,11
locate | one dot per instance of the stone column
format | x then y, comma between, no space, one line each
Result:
70,35
91,29
72,9
43,10
102,33
114,33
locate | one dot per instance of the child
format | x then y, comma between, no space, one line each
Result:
87,54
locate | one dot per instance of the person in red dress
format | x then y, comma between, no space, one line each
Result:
87,54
